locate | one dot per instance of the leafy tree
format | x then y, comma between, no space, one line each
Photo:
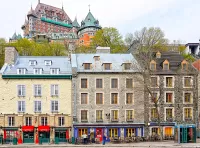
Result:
109,37
2,51
85,49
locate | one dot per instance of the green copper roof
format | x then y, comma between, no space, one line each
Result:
90,21
16,37
75,23
56,22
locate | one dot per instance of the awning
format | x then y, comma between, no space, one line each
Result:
45,128
27,128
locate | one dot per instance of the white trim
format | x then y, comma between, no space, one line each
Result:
111,82
133,113
173,80
21,71
95,115
87,114
96,83
129,92
111,113
132,82
158,81
184,97
165,92
111,98
165,112
192,82
184,112
102,97
87,97
150,112
87,83
37,70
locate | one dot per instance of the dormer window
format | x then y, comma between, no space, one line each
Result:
153,65
32,63
107,66
184,65
166,65
48,63
158,55
87,66
127,66
21,71
55,71
96,58
37,70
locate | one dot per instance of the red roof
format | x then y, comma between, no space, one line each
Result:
196,64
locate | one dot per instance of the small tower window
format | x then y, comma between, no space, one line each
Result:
166,65
158,55
153,65
184,65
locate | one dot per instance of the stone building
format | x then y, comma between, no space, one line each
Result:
174,85
35,98
107,99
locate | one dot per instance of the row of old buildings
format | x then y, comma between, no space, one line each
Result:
52,24
97,94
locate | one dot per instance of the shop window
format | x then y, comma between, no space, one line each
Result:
130,132
168,131
129,83
129,98
113,132
82,131
114,83
84,83
114,98
84,98
44,121
155,131
99,83
99,98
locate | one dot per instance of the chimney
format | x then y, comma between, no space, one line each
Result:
100,49
11,55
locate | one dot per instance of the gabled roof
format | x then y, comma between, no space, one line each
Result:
117,61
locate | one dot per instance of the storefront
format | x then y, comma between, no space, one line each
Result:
28,134
10,133
62,134
44,133
95,131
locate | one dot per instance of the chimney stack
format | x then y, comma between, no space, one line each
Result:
100,49
11,55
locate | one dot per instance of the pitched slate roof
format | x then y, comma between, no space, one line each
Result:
61,62
117,61
75,23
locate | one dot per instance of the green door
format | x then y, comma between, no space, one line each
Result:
61,136
28,137
45,137
185,135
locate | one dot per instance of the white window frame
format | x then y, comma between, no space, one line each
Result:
29,121
36,90
111,113
37,71
96,83
111,98
32,62
22,89
111,83
45,121
165,92
132,83
184,112
11,121
53,90
96,113
48,62
55,71
132,98
53,106
21,71
61,120
102,98
87,97
192,82
131,110
184,97
165,115
22,105
150,112
173,79
36,106
87,114
87,83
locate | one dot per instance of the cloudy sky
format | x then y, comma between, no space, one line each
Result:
179,19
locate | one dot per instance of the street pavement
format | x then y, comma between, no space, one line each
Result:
163,144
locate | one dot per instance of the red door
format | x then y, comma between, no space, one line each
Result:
99,133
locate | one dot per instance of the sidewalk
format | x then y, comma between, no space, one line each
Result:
166,144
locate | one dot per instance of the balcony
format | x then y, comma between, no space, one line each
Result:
99,120
114,120
129,120
84,120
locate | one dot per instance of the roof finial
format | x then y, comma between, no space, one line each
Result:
89,7
38,1
62,6
31,7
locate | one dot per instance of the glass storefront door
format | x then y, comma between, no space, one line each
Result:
61,135
45,136
28,137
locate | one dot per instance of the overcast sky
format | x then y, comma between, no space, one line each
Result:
179,19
